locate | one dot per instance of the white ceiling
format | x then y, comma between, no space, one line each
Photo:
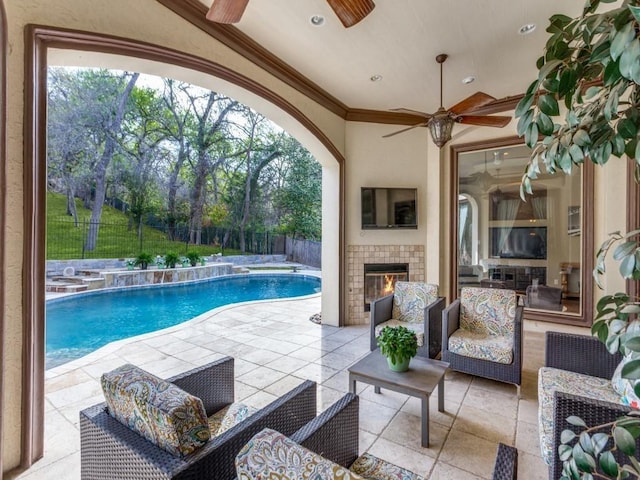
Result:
400,40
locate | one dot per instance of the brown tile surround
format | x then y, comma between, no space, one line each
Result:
358,255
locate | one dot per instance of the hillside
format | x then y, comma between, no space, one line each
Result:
115,240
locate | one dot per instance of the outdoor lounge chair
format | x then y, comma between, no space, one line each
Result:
482,334
111,450
416,306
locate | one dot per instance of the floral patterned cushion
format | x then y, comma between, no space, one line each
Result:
623,386
417,328
224,419
489,311
156,409
410,299
479,345
269,455
551,380
373,468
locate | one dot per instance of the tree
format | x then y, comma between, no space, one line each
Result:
300,198
592,64
110,103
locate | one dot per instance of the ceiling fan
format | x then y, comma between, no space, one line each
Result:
349,12
441,122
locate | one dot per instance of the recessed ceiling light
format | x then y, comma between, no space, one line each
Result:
317,20
375,78
527,28
468,80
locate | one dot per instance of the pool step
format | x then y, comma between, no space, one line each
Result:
63,287
90,283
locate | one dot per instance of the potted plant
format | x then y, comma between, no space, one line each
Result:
143,260
399,345
171,259
194,257
591,64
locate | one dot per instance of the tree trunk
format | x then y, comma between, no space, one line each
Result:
101,167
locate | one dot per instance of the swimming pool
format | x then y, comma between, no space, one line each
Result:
80,324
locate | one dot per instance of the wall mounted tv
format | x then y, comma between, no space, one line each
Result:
389,207
518,242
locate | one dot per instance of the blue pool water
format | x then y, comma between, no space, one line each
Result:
80,324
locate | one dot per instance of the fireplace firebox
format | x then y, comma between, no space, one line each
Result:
380,280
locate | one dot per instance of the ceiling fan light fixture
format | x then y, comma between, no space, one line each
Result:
468,80
440,127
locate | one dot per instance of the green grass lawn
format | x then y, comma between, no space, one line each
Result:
115,240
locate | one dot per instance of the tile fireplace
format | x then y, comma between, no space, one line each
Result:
360,255
380,280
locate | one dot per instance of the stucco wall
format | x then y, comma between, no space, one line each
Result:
148,21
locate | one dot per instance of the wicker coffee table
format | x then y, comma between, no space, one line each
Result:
423,376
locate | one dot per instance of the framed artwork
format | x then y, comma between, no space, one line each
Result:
573,221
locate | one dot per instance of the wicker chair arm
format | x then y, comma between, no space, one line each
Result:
517,335
579,353
379,311
334,433
593,412
433,326
506,466
212,383
450,321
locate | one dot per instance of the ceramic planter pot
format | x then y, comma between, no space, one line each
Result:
401,366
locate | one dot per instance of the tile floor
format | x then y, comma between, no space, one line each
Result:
275,347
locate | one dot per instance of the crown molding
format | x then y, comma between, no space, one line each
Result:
195,12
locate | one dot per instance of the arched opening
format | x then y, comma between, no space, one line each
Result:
62,47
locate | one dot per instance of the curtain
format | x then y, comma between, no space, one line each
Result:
539,205
507,210
463,216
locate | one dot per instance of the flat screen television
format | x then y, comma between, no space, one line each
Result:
518,242
389,207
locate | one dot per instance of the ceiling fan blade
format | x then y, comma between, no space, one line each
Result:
412,112
423,124
226,11
475,101
351,12
485,120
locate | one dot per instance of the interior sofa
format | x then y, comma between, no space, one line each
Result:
110,449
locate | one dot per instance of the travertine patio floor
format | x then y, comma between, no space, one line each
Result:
275,347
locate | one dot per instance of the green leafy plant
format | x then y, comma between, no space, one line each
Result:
171,259
193,257
591,67
397,343
143,260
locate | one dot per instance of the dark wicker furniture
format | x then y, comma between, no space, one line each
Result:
110,450
544,297
503,372
506,466
587,355
380,311
334,433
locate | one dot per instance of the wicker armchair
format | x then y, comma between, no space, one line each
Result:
109,449
414,305
585,355
493,348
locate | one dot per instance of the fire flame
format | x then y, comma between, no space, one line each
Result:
388,284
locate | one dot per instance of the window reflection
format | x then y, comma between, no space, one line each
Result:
532,246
